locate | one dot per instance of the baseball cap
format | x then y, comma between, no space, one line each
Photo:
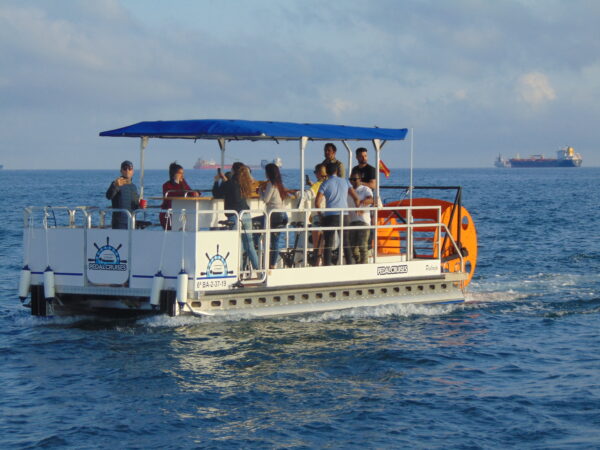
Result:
126,165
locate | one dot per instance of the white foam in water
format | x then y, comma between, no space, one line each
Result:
510,289
33,321
509,295
189,320
500,288
366,312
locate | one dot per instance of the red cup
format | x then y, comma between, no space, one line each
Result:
143,203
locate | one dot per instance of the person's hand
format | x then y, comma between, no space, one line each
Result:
217,177
120,181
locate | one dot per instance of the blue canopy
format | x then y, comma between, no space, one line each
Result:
253,130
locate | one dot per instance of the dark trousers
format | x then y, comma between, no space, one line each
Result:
359,242
334,221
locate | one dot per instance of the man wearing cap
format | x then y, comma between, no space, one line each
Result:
124,195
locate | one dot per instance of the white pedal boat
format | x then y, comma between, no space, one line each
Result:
424,250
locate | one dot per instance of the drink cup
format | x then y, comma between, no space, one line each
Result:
143,203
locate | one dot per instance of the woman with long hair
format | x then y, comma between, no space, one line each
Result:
235,192
175,187
273,193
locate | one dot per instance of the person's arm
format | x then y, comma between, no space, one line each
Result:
113,190
352,193
268,193
135,198
341,170
190,191
307,181
370,184
372,177
217,190
368,201
319,199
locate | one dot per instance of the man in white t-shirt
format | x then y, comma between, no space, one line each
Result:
359,239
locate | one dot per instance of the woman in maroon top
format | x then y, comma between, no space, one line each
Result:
175,187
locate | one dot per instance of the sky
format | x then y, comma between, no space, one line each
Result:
471,78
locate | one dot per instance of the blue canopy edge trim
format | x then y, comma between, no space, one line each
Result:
253,130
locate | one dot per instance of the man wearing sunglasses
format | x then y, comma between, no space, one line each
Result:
359,238
124,195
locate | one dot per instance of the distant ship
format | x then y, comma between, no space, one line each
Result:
565,157
501,162
277,161
209,164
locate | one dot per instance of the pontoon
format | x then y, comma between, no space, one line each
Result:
423,250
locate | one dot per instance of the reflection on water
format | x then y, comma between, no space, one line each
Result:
288,368
275,353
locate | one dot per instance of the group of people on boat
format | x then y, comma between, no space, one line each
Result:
331,190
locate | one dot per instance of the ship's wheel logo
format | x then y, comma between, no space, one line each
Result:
107,258
217,265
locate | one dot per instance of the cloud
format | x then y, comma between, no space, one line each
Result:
534,88
339,107
461,73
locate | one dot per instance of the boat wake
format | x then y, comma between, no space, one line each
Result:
370,312
539,285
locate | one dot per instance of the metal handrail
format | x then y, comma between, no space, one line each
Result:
29,211
300,226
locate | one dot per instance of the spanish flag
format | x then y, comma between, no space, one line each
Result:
384,169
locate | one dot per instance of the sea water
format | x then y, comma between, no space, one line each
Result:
518,365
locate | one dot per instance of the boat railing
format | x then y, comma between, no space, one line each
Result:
394,231
177,193
57,216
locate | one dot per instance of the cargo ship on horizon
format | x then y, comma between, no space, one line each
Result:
209,164
565,157
212,164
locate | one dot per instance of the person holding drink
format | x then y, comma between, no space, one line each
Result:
123,194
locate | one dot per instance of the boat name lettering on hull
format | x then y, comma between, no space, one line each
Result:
392,270
119,267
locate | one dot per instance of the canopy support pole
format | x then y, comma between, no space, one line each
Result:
222,147
303,142
409,216
143,145
349,166
412,134
377,145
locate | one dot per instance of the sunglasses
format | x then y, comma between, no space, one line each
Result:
354,179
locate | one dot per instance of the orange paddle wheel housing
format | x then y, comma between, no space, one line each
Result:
390,240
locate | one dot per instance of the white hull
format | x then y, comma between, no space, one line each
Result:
262,303
100,270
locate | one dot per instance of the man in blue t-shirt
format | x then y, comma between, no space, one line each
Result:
336,191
